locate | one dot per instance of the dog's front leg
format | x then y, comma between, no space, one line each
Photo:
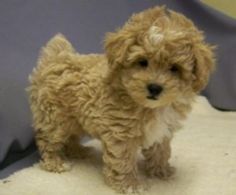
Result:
156,159
120,166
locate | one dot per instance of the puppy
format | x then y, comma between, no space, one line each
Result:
134,96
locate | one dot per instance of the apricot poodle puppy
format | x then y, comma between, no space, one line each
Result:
132,97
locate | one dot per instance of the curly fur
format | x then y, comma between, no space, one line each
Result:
105,96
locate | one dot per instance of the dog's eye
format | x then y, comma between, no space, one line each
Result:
143,63
174,68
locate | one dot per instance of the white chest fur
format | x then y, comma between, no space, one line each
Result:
161,126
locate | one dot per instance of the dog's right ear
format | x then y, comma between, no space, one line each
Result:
117,45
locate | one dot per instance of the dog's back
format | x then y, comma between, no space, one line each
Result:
61,84
62,78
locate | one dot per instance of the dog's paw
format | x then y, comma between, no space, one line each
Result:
162,172
57,166
130,187
136,189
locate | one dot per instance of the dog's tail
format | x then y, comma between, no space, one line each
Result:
56,46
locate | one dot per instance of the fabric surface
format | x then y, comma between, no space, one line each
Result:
27,25
204,153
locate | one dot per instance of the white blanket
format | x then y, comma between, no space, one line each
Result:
204,154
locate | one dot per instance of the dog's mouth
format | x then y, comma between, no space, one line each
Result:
152,97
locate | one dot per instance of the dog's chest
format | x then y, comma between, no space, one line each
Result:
161,125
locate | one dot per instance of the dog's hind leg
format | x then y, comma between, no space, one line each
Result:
50,145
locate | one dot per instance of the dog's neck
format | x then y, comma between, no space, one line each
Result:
120,95
117,90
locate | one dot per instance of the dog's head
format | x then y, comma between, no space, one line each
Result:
159,56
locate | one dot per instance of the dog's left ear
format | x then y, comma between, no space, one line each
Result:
203,66
117,45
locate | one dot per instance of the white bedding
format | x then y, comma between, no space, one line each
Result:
204,153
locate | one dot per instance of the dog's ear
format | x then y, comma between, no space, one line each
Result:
117,45
204,65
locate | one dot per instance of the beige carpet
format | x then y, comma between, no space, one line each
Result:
204,153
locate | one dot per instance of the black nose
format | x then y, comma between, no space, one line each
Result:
154,89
